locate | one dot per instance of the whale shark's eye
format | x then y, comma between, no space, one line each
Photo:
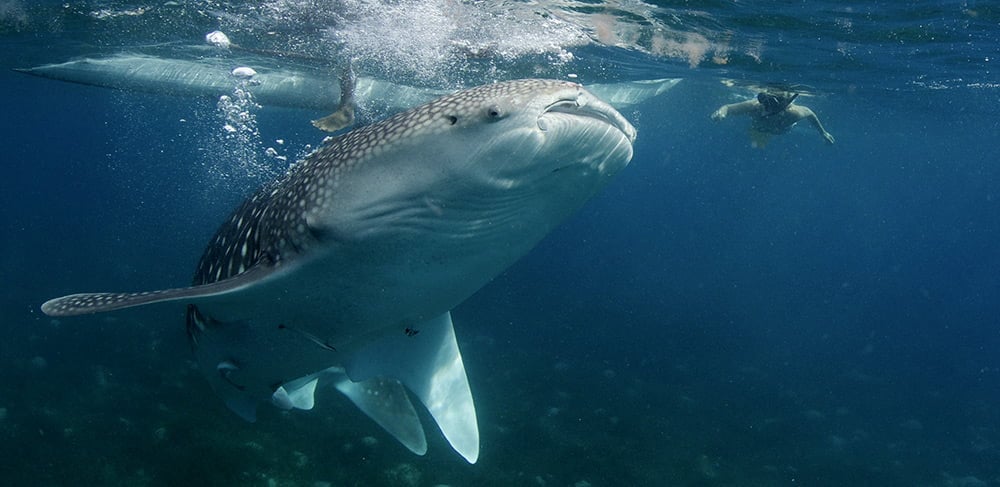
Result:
494,112
452,120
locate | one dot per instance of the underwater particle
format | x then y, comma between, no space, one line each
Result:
105,13
218,39
160,434
12,14
101,376
301,460
814,415
966,481
608,374
369,441
707,467
39,362
244,72
3,414
582,483
403,474
273,153
836,443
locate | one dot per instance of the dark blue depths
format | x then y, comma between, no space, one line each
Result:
721,315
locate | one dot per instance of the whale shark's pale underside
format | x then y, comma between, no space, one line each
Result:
344,271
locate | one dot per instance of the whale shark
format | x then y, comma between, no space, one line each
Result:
345,270
280,85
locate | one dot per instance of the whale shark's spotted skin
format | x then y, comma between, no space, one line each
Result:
273,224
345,270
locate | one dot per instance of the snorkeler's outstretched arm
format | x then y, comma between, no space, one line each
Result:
806,113
740,108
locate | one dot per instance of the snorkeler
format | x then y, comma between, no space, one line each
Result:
772,113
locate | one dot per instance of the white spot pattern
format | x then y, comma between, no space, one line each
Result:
271,226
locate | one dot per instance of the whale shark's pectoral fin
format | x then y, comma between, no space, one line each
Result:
85,303
426,359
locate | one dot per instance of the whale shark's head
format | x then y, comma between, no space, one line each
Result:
525,149
525,130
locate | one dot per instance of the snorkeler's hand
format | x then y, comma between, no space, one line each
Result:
719,114
828,137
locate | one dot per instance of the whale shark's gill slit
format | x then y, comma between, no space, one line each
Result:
321,234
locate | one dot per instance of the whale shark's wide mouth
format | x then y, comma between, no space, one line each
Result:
586,105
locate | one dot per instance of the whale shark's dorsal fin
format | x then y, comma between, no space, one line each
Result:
86,303
343,117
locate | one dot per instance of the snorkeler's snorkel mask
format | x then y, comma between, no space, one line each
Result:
775,103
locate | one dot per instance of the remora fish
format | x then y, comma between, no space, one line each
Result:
273,86
346,269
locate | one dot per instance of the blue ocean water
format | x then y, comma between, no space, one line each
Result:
720,315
